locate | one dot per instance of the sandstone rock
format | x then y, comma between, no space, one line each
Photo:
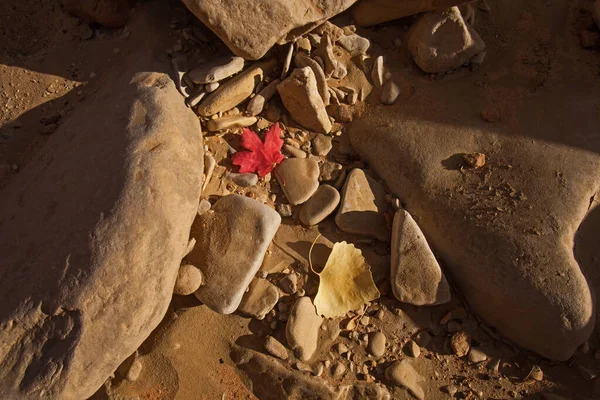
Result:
301,98
226,254
111,13
441,41
322,145
294,151
275,348
93,235
302,60
401,373
236,121
355,44
320,205
134,371
376,345
363,205
243,180
373,12
260,298
302,329
271,21
235,91
416,277
216,70
257,103
189,279
389,92
460,343
299,179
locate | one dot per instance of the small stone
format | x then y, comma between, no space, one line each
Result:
134,371
402,374
289,283
275,348
322,144
376,346
298,178
338,370
473,160
204,206
303,44
318,370
302,329
320,205
412,349
263,123
450,389
423,339
355,44
287,61
326,51
217,69
257,103
389,92
330,171
238,121
340,112
189,279
243,180
363,206
295,152
341,348
377,72
303,60
301,98
260,299
536,373
460,343
211,87
586,373
285,210
476,355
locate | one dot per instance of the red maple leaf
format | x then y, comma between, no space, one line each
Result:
262,157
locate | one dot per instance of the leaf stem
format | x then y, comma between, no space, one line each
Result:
310,254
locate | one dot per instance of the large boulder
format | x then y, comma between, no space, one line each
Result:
93,233
373,12
251,27
505,231
111,13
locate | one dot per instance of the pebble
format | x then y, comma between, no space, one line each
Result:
322,144
494,365
203,206
303,60
211,87
238,121
302,329
341,348
263,123
363,206
423,339
301,97
402,374
243,180
338,370
189,279
460,343
473,160
450,389
298,178
285,210
295,152
287,61
476,355
412,349
330,171
193,100
376,346
377,72
326,51
134,371
389,92
340,112
352,98
303,44
226,254
257,103
355,44
289,283
416,276
536,373
260,299
216,70
275,348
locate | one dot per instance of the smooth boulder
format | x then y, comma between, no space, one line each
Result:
93,235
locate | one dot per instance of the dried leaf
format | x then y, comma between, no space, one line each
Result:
262,157
345,283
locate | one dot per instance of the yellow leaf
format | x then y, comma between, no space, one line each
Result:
346,282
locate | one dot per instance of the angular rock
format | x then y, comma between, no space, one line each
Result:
111,13
460,343
363,206
235,91
302,329
389,92
373,12
322,145
441,41
93,233
302,60
401,373
416,277
271,21
189,279
226,253
320,205
216,70
299,179
236,121
355,44
330,171
301,98
289,283
260,298
412,349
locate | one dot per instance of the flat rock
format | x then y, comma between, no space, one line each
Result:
355,44
298,178
287,20
235,121
111,13
301,98
189,279
243,180
373,12
235,91
416,277
441,41
320,205
302,329
363,206
216,70
402,374
260,298
232,239
93,232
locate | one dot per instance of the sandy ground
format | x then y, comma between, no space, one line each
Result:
50,62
